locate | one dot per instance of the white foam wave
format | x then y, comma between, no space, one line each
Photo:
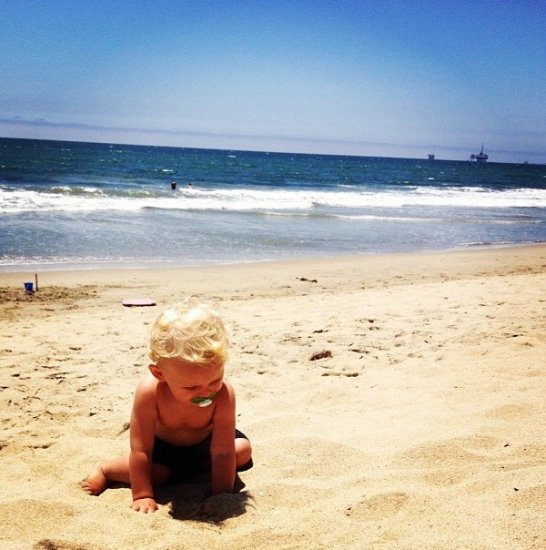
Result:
277,200
78,190
33,201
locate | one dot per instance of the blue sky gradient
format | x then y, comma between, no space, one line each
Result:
391,78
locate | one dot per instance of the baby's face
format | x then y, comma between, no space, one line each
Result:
188,381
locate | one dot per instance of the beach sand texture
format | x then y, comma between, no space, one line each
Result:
423,426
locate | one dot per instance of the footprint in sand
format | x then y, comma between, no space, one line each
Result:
33,518
529,498
314,458
450,452
49,544
378,507
448,462
509,412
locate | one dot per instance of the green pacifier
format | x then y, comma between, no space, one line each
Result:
204,401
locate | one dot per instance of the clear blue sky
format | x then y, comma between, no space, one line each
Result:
390,78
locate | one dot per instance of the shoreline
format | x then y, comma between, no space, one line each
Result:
153,265
420,429
50,270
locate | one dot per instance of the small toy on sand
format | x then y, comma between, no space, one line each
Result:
138,302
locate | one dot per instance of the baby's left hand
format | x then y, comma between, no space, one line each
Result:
210,507
224,505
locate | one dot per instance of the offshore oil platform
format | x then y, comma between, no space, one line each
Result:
480,157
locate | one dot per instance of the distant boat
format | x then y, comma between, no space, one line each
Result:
480,157
431,157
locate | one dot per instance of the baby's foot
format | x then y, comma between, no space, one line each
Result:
96,483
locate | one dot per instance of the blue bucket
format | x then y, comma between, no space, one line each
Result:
29,287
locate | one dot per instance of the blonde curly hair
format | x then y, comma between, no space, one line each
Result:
192,331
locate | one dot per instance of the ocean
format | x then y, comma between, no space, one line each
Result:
71,205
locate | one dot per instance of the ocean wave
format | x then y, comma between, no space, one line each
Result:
89,198
499,244
76,190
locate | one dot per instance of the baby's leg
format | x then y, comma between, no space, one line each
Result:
243,451
116,470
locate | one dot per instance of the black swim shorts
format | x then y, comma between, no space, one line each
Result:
183,461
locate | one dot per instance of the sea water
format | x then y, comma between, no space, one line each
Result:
67,205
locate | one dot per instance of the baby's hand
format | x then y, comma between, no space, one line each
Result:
146,505
223,506
210,507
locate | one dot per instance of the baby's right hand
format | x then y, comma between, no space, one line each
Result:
146,505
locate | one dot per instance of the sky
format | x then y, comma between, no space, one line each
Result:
370,78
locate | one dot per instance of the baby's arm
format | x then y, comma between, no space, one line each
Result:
143,421
222,449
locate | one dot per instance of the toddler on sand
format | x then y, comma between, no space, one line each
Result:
183,417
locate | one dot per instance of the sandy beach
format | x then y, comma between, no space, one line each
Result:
393,402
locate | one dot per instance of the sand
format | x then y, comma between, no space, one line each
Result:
422,426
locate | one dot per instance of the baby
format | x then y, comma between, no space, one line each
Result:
183,417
